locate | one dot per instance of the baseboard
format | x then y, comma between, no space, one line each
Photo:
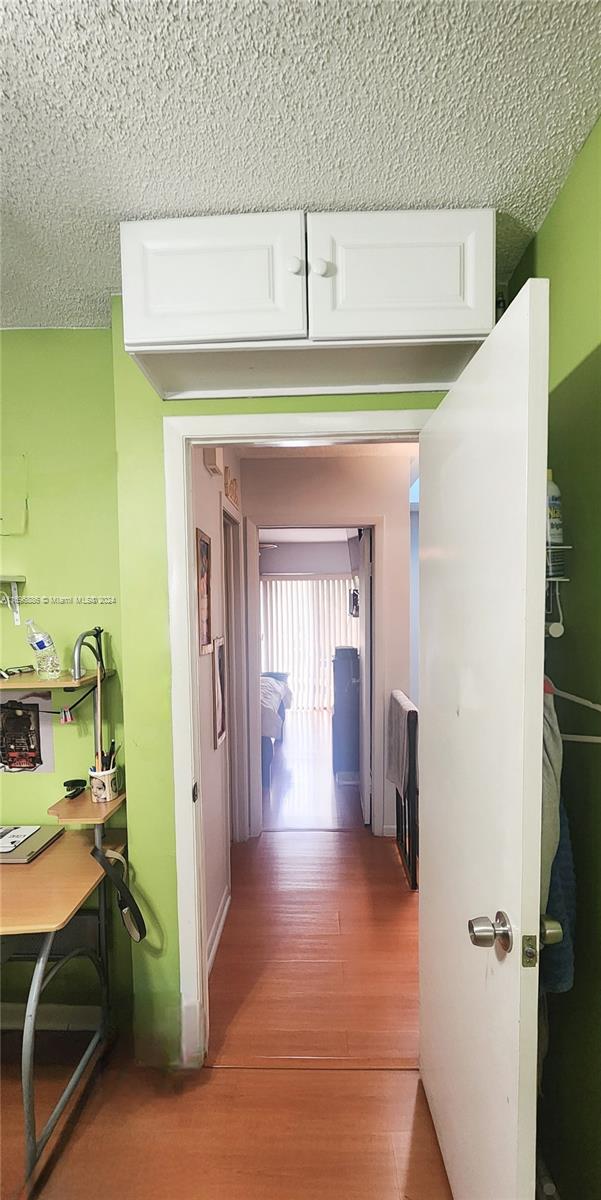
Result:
193,1029
52,1017
217,928
193,1042
389,831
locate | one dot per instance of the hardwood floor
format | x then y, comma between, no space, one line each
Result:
304,793
251,1135
313,1024
317,964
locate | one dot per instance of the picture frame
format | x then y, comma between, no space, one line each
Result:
219,692
203,591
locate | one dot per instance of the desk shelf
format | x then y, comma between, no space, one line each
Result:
84,811
31,683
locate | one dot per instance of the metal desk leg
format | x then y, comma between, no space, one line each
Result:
41,977
27,1053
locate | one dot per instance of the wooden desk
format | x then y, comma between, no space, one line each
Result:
43,895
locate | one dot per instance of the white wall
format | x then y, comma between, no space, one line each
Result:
214,787
414,606
305,558
350,492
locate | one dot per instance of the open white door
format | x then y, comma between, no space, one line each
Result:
253,642
482,559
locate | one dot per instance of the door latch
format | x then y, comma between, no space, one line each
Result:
529,951
194,792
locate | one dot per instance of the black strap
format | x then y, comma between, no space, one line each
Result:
130,913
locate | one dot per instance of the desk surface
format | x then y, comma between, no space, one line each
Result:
43,895
84,811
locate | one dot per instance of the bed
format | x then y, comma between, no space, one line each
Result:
276,698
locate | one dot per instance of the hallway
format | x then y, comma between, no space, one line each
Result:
317,971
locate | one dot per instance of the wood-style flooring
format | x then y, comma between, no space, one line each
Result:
317,964
309,1094
247,1135
304,793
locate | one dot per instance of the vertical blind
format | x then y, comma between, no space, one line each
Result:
302,622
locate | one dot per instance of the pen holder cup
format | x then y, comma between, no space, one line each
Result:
103,786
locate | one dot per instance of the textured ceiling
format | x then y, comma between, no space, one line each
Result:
141,108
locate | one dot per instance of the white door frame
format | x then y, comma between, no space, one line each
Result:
179,433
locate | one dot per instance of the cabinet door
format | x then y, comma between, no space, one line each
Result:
401,274
210,279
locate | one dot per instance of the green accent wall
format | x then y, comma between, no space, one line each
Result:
567,250
57,412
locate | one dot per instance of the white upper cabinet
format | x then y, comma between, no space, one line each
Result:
401,274
282,303
212,279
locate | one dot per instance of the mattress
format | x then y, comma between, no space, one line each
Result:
274,693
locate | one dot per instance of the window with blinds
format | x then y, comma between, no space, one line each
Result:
302,622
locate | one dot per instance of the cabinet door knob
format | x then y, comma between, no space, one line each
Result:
294,265
320,266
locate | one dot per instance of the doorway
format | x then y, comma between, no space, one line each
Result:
268,431
317,888
311,670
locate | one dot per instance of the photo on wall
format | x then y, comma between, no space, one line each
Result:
26,734
219,726
203,584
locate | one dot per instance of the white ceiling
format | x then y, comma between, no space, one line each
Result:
120,109
306,535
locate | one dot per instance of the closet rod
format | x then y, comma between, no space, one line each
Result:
578,737
577,699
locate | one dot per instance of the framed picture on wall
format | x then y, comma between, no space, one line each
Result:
219,729
203,584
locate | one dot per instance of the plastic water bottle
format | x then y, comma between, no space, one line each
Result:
46,659
555,557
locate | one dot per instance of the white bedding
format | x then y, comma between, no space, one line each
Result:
273,693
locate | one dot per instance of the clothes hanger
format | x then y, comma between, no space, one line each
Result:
578,737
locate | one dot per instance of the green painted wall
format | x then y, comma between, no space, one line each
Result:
567,249
57,410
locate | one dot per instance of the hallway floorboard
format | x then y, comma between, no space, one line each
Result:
246,1135
304,793
317,965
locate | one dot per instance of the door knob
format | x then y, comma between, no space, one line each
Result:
320,266
294,265
484,932
550,931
